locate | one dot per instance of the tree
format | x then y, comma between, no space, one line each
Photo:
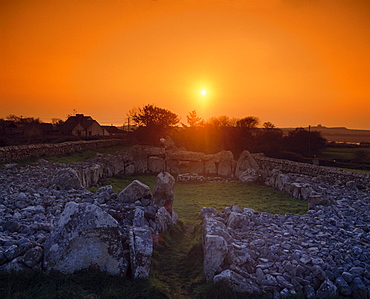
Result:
194,120
222,121
305,142
23,120
249,122
153,123
268,125
151,116
57,122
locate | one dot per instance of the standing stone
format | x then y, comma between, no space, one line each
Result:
215,250
245,162
196,167
155,164
141,248
225,167
164,219
84,237
210,167
172,166
163,190
139,158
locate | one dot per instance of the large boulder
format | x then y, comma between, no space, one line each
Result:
133,192
163,191
85,237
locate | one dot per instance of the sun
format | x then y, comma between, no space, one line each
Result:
203,92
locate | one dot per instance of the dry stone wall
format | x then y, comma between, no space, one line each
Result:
333,174
21,152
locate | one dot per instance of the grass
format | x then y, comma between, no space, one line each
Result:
341,153
79,156
177,262
84,284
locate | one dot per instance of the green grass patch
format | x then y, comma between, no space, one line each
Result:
343,153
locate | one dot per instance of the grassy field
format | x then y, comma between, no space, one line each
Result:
342,153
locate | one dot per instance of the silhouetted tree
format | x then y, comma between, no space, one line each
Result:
248,122
268,125
57,122
305,143
23,120
154,123
269,140
152,116
222,121
194,120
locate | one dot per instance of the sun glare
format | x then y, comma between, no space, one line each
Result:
203,92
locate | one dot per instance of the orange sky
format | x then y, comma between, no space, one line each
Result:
291,62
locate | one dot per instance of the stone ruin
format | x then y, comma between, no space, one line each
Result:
50,222
322,254
47,214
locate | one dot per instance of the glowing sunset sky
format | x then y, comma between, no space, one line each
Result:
290,62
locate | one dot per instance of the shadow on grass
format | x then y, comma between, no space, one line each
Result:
83,284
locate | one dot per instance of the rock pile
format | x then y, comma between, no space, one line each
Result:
323,254
50,222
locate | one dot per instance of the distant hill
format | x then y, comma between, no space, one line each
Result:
338,134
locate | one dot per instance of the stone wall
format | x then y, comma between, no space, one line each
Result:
333,174
21,152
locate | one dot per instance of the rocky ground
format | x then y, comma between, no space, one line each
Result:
35,223
322,254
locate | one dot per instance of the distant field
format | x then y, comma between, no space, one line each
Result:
339,134
346,153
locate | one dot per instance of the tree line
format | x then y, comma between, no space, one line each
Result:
224,133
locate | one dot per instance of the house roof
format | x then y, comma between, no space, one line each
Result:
73,121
